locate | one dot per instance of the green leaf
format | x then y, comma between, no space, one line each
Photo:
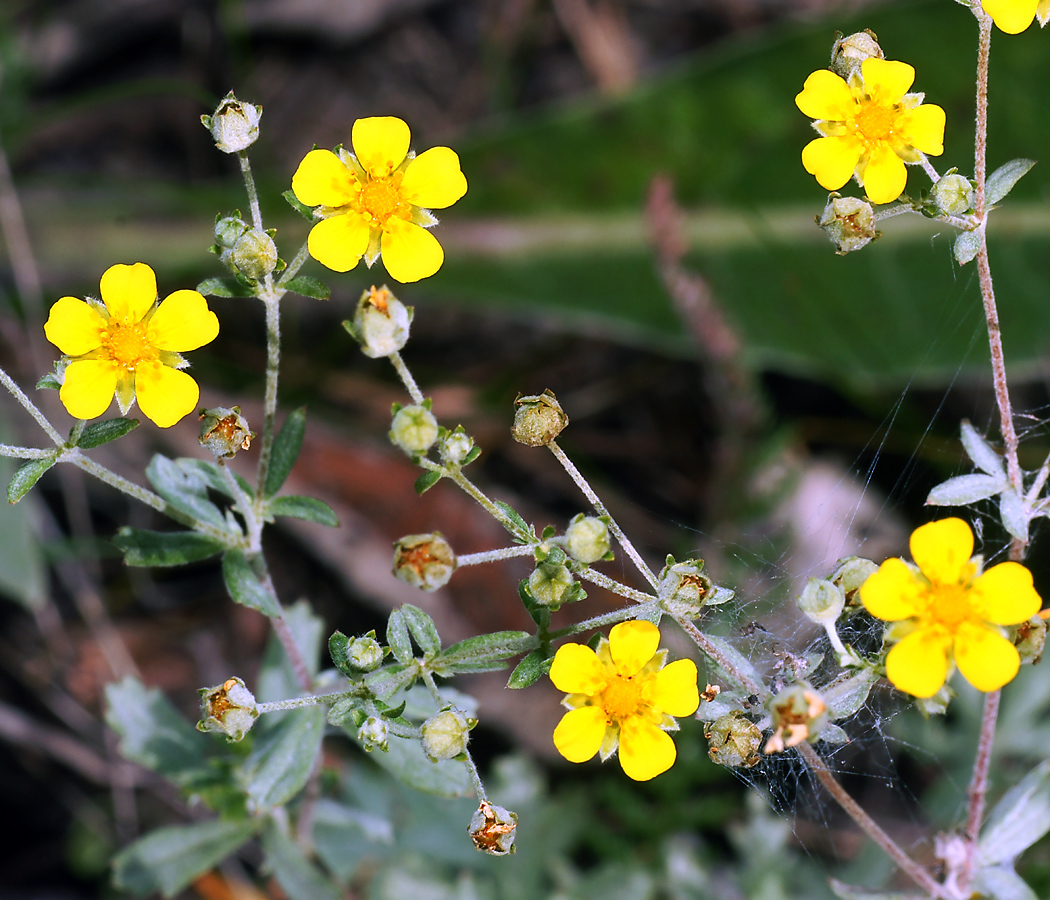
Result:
245,587
309,286
406,761
1003,179
422,629
426,481
299,878
98,433
397,636
533,667
286,447
23,576
183,487
309,508
344,834
337,649
164,548
49,382
524,529
484,653
284,757
388,680
167,860
295,203
967,246
734,657
153,733
966,489
1020,819
211,474
981,453
26,476
224,287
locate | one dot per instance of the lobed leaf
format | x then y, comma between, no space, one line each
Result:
224,287
422,629
484,653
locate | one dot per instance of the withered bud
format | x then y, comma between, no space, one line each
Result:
1030,639
849,223
799,714
381,322
539,419
228,708
492,829
224,431
234,125
849,52
425,561
684,589
733,740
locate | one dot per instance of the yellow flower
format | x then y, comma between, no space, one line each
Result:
623,695
948,610
127,346
372,201
1014,16
870,127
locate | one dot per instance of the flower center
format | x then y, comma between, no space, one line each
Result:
128,345
381,199
875,122
949,604
621,697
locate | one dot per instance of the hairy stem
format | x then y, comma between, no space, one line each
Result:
299,702
487,556
24,452
713,652
249,187
30,407
978,788
273,365
406,378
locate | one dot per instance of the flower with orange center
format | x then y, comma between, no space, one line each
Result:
871,127
128,346
1014,16
623,696
377,200
949,610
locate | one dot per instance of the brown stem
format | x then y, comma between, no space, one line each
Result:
979,784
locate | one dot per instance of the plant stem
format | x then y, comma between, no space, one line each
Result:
24,452
31,408
299,702
868,825
292,270
273,365
711,650
475,778
609,618
287,639
600,508
249,187
979,784
406,378
611,584
476,559
252,522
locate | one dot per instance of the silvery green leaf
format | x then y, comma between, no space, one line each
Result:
388,680
309,508
849,892
286,447
281,762
308,286
406,761
397,636
422,629
344,835
718,595
734,657
832,734
245,587
533,667
299,878
1002,883
847,696
26,476
966,246
184,489
210,473
966,489
484,653
981,453
1014,515
1003,179
98,433
1019,819
724,703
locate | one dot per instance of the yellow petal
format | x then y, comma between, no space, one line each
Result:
923,128
632,645
892,592
884,176
645,750
183,322
986,659
380,144
1005,595
410,252
88,387
1011,16
942,549
886,81
919,663
1043,12
576,670
433,179
825,96
674,689
579,733
338,242
323,180
73,326
831,160
128,292
165,394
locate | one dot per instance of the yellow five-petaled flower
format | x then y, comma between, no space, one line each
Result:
1014,16
130,347
623,695
948,610
377,200
871,127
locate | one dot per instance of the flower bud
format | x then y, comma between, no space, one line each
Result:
224,431
492,829
254,254
539,419
414,429
446,734
683,588
821,601
953,195
425,561
456,446
373,734
228,229
1030,639
850,574
551,585
587,539
229,708
849,52
380,323
234,125
734,740
849,223
799,714
365,652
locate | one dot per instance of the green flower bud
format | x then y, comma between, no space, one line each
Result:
953,195
373,734
425,561
733,740
456,446
224,431
849,223
850,574
551,585
234,125
849,52
380,323
684,590
254,254
228,229
539,419
228,708
492,829
414,429
587,539
799,714
821,601
1030,639
445,735
365,652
